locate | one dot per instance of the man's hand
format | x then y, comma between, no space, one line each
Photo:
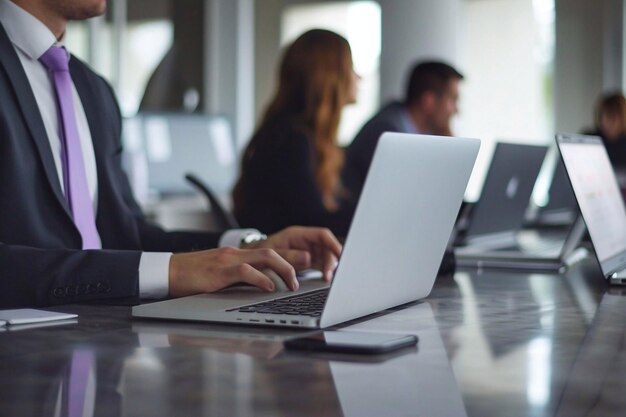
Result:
211,270
305,247
291,249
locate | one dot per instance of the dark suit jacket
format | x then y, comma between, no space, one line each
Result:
40,258
360,152
278,184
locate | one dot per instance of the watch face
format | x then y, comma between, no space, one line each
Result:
253,237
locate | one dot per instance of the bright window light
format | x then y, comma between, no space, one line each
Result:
507,54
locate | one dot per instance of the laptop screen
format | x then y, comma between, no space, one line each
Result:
598,195
507,189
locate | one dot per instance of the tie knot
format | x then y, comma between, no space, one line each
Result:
55,59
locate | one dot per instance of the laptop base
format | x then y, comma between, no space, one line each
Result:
618,278
521,261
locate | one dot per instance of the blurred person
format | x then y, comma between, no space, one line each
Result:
70,229
430,103
290,170
610,125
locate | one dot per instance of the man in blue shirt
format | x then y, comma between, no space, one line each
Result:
430,103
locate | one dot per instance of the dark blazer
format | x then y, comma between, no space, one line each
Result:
40,258
360,152
277,185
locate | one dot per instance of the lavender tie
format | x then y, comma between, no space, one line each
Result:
55,60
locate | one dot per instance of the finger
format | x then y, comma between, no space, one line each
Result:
269,259
330,263
318,252
317,261
299,259
247,273
328,240
321,258
304,238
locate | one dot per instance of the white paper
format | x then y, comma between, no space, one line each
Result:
29,315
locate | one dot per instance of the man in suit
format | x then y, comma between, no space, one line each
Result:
70,230
430,103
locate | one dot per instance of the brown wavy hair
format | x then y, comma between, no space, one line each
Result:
314,84
613,104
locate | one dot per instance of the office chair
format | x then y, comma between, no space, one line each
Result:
223,218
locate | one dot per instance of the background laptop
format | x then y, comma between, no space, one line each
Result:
599,199
507,246
160,148
499,213
547,250
396,241
561,209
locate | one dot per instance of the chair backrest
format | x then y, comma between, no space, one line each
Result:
223,219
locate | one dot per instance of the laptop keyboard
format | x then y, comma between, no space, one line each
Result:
309,304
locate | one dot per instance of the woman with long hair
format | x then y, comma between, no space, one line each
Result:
610,125
291,169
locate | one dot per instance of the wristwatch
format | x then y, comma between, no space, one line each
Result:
251,237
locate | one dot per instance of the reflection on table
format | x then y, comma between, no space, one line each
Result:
492,343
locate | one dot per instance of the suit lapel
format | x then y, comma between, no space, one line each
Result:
30,111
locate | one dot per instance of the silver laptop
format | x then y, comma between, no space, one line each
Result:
499,213
534,250
394,247
561,209
599,199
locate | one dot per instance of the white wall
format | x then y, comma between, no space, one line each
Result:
229,53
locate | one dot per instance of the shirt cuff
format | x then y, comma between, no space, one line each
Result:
154,269
233,237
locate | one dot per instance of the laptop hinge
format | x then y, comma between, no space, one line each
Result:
494,240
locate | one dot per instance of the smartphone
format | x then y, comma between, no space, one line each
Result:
351,342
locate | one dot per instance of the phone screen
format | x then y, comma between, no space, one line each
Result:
351,342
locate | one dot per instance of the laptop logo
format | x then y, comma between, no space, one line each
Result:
511,187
